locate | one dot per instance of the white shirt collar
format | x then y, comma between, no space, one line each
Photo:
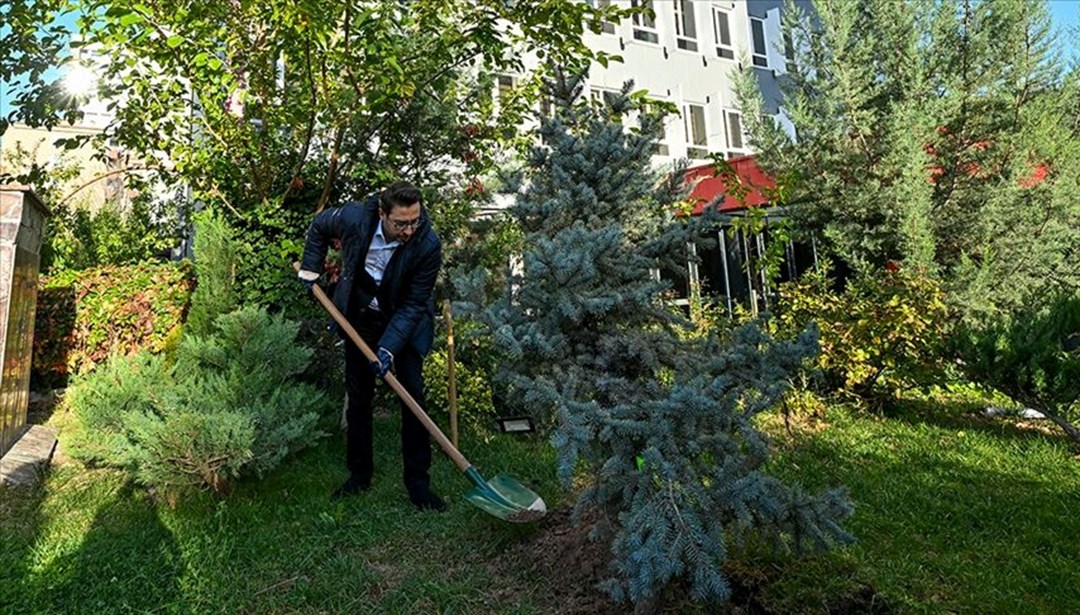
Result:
382,237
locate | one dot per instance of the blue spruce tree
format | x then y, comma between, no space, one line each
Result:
660,423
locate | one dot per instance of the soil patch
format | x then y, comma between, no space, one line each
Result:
565,568
565,563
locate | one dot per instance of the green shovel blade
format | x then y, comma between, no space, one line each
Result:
505,498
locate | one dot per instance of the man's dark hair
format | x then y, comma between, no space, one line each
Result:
398,194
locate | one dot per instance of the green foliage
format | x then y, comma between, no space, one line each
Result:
661,424
938,134
81,234
881,335
708,315
231,406
32,44
489,245
105,400
476,409
1033,357
83,317
215,272
81,238
303,105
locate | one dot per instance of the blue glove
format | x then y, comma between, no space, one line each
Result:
383,364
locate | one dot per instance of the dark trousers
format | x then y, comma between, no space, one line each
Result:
360,384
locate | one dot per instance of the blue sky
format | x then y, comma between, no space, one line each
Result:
1065,15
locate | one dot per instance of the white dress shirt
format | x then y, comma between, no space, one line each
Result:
377,257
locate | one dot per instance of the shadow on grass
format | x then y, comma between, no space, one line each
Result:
127,561
969,417
21,520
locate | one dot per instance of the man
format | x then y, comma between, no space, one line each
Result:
390,257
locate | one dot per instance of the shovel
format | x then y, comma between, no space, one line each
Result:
502,496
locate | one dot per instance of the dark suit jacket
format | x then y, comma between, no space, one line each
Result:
407,292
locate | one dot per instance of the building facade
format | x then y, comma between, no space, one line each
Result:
686,54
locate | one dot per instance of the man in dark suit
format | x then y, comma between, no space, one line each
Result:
390,258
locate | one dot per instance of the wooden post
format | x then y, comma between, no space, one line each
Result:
451,372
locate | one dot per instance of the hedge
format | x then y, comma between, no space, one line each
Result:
85,316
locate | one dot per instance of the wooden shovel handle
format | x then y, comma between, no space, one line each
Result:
451,371
447,447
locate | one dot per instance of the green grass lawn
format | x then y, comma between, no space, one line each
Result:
954,514
88,542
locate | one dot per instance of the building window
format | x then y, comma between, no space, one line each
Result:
733,126
760,51
644,23
506,87
606,27
685,25
722,29
697,142
602,96
659,146
789,52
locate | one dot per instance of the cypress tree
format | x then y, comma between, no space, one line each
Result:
659,423
941,133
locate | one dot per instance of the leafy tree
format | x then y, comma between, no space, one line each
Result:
275,110
660,423
33,42
940,133
880,336
81,234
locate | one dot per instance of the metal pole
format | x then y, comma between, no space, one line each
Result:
727,274
749,274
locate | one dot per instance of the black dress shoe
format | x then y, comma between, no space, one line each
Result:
353,486
424,498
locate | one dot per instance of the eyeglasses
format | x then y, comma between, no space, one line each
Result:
401,225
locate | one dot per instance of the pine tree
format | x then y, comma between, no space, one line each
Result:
660,422
940,133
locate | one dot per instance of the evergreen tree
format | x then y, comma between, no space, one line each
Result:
231,406
660,422
215,272
940,133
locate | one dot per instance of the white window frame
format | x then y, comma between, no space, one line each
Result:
695,149
644,26
598,94
723,51
741,147
606,27
660,147
759,57
504,88
684,41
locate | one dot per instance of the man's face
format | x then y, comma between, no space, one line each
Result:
401,222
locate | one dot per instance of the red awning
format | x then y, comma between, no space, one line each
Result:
711,191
